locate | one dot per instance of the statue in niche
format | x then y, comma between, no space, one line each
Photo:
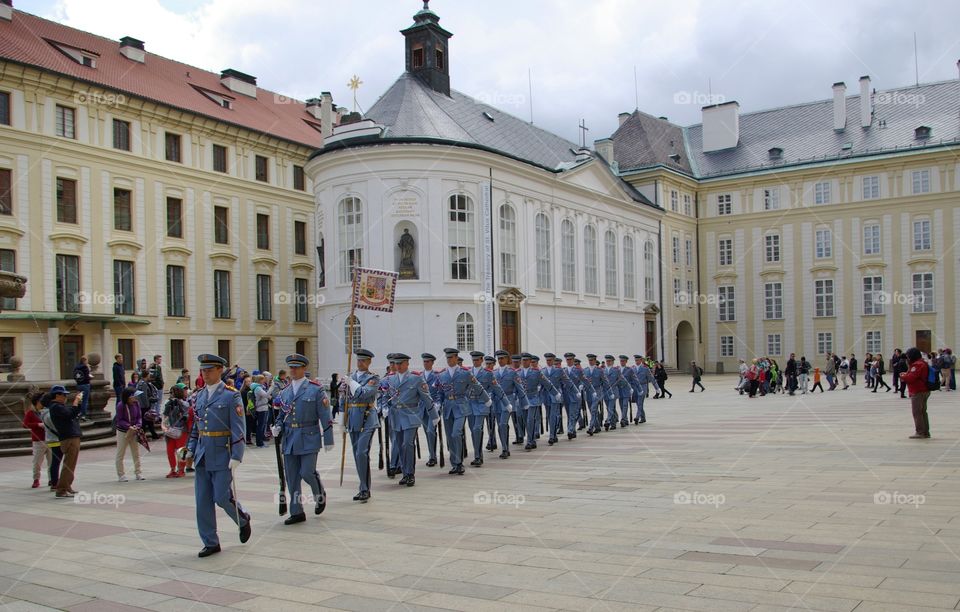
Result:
407,247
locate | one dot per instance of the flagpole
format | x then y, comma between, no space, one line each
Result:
346,404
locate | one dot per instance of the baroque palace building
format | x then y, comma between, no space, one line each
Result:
156,208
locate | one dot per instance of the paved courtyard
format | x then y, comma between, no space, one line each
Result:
717,503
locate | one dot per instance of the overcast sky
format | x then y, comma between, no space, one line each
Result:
581,53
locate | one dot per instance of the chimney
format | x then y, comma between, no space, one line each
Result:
313,107
604,148
238,82
623,117
327,114
6,10
132,49
721,126
866,102
839,106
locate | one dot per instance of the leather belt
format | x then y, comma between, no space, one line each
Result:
215,434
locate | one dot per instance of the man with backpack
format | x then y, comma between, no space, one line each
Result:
697,373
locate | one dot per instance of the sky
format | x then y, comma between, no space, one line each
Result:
582,59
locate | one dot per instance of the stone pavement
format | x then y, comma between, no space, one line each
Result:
717,503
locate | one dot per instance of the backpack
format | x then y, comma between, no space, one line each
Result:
933,378
699,371
78,375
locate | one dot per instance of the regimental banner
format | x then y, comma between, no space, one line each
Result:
374,289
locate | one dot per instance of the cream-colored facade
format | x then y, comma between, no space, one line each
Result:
176,303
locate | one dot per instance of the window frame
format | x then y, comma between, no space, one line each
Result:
872,240
591,265
6,192
173,147
927,288
507,219
611,276
773,301
222,294
726,303
122,209
221,225
568,256
176,291
872,306
725,256
301,303
920,180
124,287
771,244
823,249
870,187
65,122
67,211
822,192
263,231
544,251
264,294
174,217
219,155
350,234
922,240
824,298
299,237
724,204
261,168
67,279
121,137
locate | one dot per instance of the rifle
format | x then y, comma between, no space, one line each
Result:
417,438
440,450
283,479
380,440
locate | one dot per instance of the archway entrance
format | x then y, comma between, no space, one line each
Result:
686,351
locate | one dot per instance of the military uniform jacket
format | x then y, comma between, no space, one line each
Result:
219,429
533,383
644,378
305,418
456,388
614,380
579,378
510,383
561,381
407,396
595,383
360,407
630,375
487,380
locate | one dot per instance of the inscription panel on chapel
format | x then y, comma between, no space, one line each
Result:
405,206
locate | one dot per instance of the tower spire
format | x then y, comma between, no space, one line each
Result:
427,47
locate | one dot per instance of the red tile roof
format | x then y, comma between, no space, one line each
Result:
25,40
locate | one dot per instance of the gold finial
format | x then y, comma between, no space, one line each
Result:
355,84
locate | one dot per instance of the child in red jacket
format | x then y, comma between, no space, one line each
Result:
38,438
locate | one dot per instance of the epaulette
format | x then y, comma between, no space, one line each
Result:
417,373
467,368
535,368
229,387
315,382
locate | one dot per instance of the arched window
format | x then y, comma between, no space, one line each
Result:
350,244
461,236
352,322
610,263
465,332
568,255
508,245
629,270
648,271
544,252
590,259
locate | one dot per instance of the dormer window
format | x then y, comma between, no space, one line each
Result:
923,132
417,58
776,153
218,98
440,59
84,57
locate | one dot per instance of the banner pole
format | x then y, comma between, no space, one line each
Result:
346,402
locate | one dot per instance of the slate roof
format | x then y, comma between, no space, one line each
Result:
26,40
411,109
644,140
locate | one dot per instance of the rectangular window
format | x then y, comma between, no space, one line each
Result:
299,179
221,225
301,301
773,248
300,237
823,297
568,257
871,187
417,58
921,181
675,251
773,344
219,158
724,204
461,235
4,108
676,291
824,244
176,304
687,205
263,232
822,193
726,303
923,292
223,349
7,346
610,288
66,200
673,200
688,251
824,343
123,284
125,348
921,235
874,342
121,134
171,147
771,199
221,294
122,213
177,351
8,263
260,164
726,346
6,192
174,217
871,239
725,251
690,294
264,298
65,122
773,300
873,298
68,283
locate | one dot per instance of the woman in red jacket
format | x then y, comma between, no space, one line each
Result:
38,437
916,379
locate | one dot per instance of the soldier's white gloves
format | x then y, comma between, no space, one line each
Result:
489,403
579,394
275,429
558,397
233,464
354,385
436,405
509,407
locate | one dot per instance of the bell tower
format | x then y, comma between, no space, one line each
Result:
427,50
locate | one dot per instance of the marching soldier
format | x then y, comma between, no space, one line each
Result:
533,383
480,405
559,379
507,378
215,450
575,374
431,377
455,381
612,372
305,426
392,432
644,378
408,401
360,417
596,388
627,388
520,408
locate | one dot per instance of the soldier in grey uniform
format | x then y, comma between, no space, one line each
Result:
575,373
360,417
627,388
215,449
305,426
533,383
408,402
432,378
644,379
612,372
596,389
559,379
508,379
480,405
456,382
393,459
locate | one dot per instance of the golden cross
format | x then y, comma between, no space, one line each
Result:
355,84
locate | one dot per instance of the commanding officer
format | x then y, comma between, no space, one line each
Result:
533,382
432,378
575,374
360,417
507,378
596,389
612,372
215,447
407,398
305,424
627,388
644,378
480,405
455,383
560,381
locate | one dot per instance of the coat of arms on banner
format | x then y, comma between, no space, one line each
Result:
375,289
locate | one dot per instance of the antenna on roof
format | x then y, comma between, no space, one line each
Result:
530,95
916,60
636,89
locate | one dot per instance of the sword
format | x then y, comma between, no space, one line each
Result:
380,440
440,450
